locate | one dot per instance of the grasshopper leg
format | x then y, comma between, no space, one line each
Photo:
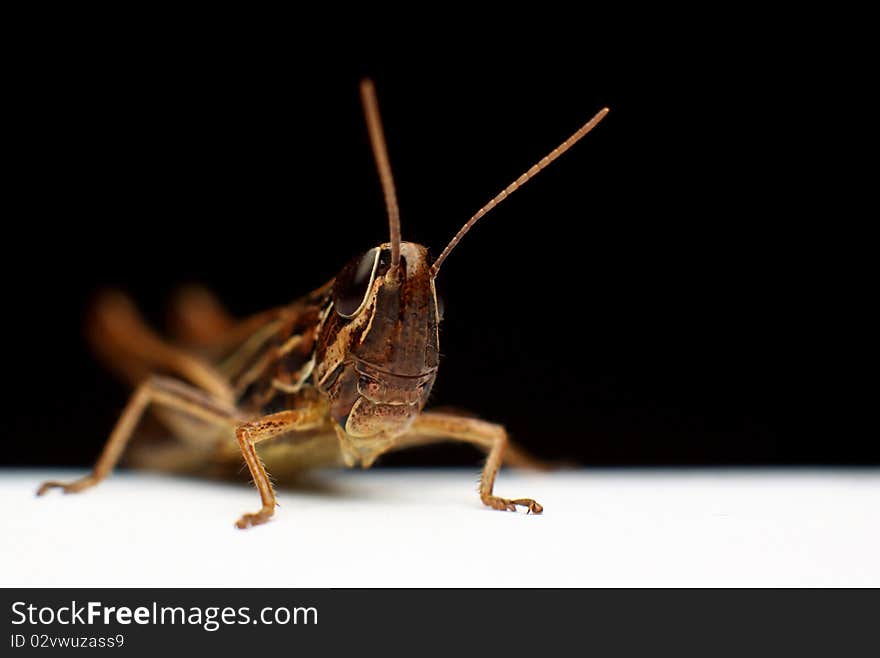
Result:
199,321
197,317
431,427
163,391
267,427
128,346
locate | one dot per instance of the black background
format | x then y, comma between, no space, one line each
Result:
643,301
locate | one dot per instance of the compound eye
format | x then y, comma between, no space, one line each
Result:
354,282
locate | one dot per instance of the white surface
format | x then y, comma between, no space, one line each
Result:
427,528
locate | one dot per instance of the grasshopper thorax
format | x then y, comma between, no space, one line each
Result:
377,351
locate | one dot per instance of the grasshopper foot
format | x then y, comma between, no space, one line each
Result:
68,487
532,507
248,520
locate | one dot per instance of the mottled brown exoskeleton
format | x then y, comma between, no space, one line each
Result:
339,376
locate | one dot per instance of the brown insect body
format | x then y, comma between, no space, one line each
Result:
375,368
342,374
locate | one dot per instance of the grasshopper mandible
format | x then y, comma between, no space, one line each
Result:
340,375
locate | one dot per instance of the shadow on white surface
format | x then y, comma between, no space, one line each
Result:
412,528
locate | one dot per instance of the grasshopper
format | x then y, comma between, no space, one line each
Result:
341,375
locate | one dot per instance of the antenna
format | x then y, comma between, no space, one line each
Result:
519,182
380,151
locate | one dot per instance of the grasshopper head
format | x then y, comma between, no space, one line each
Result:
377,353
377,350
